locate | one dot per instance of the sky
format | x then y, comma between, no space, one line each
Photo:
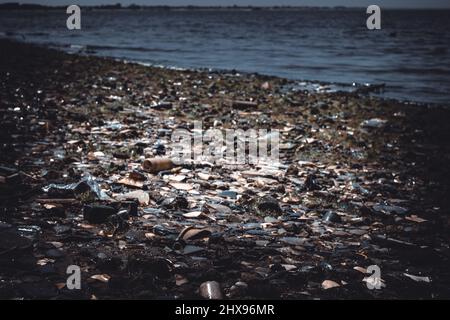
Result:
349,3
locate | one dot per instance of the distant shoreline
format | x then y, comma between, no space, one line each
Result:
24,6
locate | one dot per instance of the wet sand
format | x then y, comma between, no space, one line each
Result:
260,232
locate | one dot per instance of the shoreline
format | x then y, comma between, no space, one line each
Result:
364,89
355,193
367,89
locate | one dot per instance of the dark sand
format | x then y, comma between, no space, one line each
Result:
55,110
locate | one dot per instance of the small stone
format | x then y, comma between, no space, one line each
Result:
268,205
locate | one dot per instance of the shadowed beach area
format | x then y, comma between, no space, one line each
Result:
363,182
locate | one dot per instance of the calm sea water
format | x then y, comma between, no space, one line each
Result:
411,54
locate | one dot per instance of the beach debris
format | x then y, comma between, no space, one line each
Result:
268,205
180,280
88,185
177,202
98,213
161,105
101,277
240,104
360,269
266,86
311,183
191,233
194,214
182,186
139,195
416,218
190,249
330,284
417,278
128,181
388,209
239,289
331,216
294,241
156,165
228,194
211,290
210,207
374,123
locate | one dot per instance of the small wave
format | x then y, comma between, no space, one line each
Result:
302,67
77,47
126,48
154,65
37,34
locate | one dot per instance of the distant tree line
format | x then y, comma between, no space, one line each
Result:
118,6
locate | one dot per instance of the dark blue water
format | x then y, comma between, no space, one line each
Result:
411,54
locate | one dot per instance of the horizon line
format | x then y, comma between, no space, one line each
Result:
119,5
